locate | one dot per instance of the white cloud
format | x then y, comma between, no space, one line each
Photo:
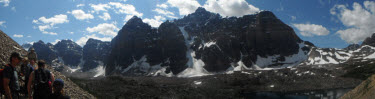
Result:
18,36
80,5
104,29
13,9
82,41
2,23
125,9
128,17
6,2
360,21
164,12
56,41
57,19
164,6
155,22
311,29
29,36
184,6
81,15
50,33
105,16
100,7
293,18
48,23
230,7
42,28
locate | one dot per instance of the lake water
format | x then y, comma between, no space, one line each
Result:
318,94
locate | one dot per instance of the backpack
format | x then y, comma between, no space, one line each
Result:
42,83
2,91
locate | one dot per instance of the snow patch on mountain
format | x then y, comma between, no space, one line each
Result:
209,44
274,62
100,70
195,66
141,64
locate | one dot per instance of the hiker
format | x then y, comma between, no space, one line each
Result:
32,55
26,69
10,76
33,64
58,90
40,80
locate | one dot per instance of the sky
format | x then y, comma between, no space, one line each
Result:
326,23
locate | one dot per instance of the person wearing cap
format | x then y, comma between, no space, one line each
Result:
26,69
10,76
39,81
32,55
58,90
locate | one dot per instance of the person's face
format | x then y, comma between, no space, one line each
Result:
16,60
32,62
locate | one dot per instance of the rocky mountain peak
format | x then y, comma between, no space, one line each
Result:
369,40
266,14
352,47
201,10
135,23
70,52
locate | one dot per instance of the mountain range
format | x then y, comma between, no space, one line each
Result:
201,43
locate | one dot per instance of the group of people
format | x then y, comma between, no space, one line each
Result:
38,82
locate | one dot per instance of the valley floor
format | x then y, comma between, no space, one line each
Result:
237,84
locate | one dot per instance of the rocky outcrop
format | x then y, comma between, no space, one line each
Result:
45,51
363,91
369,41
7,46
352,47
137,40
95,53
69,51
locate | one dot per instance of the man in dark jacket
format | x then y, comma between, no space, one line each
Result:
10,76
40,80
58,90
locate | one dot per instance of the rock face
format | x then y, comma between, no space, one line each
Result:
204,42
7,46
369,41
352,47
137,40
95,53
45,51
69,51
363,91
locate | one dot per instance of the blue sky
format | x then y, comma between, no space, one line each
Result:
326,23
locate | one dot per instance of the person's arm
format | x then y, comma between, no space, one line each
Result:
52,78
31,78
6,88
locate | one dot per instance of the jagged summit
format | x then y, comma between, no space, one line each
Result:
369,40
266,14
